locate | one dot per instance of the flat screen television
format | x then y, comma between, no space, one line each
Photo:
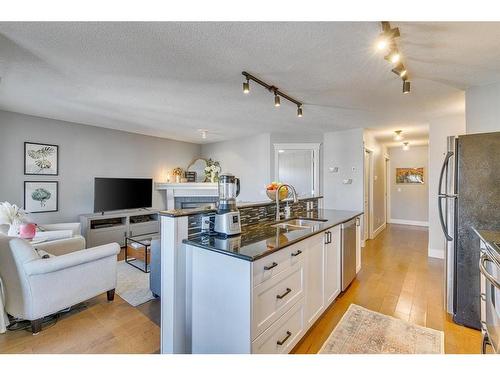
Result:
122,193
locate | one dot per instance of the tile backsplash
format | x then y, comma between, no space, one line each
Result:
252,215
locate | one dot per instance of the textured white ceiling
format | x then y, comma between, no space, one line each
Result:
169,79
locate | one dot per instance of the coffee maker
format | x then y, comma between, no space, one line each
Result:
227,217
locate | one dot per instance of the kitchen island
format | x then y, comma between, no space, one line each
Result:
259,292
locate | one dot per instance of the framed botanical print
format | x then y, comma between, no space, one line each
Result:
41,196
41,159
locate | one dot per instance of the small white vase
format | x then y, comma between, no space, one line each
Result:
13,230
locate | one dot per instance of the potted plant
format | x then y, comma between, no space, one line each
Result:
212,171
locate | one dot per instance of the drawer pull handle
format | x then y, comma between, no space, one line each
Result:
297,253
267,268
281,342
280,296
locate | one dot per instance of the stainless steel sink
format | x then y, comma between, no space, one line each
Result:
298,223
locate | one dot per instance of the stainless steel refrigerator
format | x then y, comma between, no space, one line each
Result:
469,196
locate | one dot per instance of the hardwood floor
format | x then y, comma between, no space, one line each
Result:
397,278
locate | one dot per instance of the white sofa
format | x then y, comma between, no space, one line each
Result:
36,287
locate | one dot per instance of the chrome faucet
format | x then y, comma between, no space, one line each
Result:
295,200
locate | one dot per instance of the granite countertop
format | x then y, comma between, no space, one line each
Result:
492,240
259,240
195,211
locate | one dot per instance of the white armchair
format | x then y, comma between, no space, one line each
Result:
36,287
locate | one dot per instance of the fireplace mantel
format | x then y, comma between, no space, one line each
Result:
186,189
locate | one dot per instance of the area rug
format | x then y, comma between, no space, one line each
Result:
362,331
132,284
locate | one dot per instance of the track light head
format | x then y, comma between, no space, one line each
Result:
400,70
299,111
246,87
393,56
276,100
406,86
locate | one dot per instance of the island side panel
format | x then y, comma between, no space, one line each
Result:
174,328
221,306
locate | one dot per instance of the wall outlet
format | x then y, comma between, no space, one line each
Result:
347,181
333,169
205,224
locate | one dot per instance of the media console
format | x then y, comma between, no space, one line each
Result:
103,228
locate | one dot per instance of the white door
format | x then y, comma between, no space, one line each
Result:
315,288
332,265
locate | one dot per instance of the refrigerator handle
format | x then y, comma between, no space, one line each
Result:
443,169
442,196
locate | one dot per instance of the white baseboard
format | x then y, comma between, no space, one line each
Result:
409,222
377,231
435,253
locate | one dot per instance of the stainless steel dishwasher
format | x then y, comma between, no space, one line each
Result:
348,237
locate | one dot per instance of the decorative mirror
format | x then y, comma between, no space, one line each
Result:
198,166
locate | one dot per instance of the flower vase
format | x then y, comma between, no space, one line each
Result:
13,230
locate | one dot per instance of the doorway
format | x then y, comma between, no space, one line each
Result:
368,194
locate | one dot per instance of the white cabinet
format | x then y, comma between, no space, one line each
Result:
358,245
332,265
314,278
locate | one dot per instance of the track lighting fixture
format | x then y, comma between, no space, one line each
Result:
276,100
246,87
273,89
406,146
387,40
398,136
400,70
406,87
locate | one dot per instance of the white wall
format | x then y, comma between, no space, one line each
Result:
247,158
409,202
343,149
482,108
85,152
439,130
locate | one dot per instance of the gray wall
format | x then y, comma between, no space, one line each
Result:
85,152
409,202
247,158
343,149
482,109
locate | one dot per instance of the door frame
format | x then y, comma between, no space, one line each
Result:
369,224
314,147
387,162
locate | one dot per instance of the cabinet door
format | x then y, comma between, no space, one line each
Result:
332,265
315,272
358,246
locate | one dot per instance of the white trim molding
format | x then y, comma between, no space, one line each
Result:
435,253
379,230
314,148
409,222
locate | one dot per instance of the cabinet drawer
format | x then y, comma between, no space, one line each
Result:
265,268
272,298
144,228
107,235
284,334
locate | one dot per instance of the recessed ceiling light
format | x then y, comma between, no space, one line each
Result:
398,136
281,151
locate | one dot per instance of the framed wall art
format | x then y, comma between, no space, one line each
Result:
41,159
41,196
409,175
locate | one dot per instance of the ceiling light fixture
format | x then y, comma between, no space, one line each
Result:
273,89
398,136
406,146
246,87
387,40
203,133
406,86
277,102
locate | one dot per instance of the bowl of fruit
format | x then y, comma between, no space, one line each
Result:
273,187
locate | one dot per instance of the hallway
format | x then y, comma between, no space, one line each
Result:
397,278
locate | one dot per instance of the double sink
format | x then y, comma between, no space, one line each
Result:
298,223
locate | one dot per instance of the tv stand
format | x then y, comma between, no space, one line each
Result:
105,227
